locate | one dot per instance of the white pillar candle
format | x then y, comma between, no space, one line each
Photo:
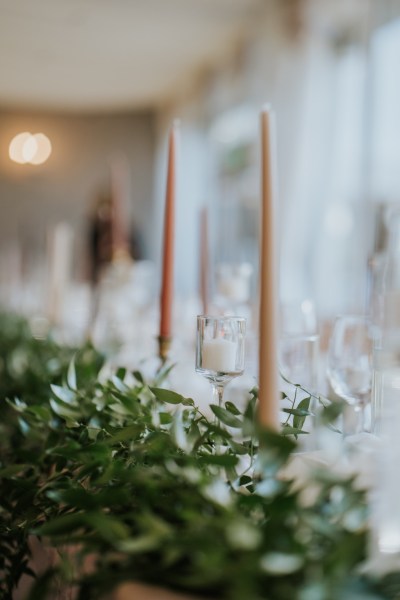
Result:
219,355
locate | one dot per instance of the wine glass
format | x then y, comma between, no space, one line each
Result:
299,344
220,351
233,285
350,363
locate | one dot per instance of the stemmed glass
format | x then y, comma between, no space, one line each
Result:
299,344
350,363
220,351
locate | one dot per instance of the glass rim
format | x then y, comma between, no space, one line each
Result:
355,316
222,318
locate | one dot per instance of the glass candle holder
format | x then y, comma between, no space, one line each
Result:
220,351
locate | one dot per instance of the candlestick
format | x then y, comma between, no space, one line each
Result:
168,246
268,408
204,260
219,355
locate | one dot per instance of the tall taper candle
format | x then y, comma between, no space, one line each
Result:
268,361
167,286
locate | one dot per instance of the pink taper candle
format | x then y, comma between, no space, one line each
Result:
167,286
268,362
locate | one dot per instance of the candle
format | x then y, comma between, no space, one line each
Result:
204,260
235,288
219,355
168,247
119,204
268,364
60,247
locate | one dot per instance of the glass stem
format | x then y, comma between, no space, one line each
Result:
363,425
218,393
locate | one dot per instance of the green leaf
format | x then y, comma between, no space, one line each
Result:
64,394
162,374
165,418
138,376
332,411
121,373
237,448
167,396
299,419
222,460
13,470
141,544
64,410
226,417
62,525
41,412
127,433
110,528
232,408
71,375
298,412
288,430
119,384
187,402
279,563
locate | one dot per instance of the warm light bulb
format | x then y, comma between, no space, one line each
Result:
16,148
43,150
27,148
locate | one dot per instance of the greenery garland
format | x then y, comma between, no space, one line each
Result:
134,479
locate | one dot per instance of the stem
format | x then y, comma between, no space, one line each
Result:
218,393
361,413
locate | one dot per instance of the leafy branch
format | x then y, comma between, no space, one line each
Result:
135,482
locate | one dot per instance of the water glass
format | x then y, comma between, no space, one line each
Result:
350,363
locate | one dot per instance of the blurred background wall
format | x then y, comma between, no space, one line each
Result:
67,186
103,79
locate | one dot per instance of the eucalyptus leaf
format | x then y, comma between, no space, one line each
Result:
167,396
71,375
232,408
225,416
299,419
64,394
138,376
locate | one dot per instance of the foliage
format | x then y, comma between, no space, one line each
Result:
134,479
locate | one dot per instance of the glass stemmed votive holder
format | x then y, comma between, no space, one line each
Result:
220,351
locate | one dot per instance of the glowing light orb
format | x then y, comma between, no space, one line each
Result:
30,148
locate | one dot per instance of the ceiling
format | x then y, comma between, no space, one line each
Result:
111,54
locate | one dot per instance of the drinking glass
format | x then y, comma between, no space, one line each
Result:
299,344
233,286
350,363
220,351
